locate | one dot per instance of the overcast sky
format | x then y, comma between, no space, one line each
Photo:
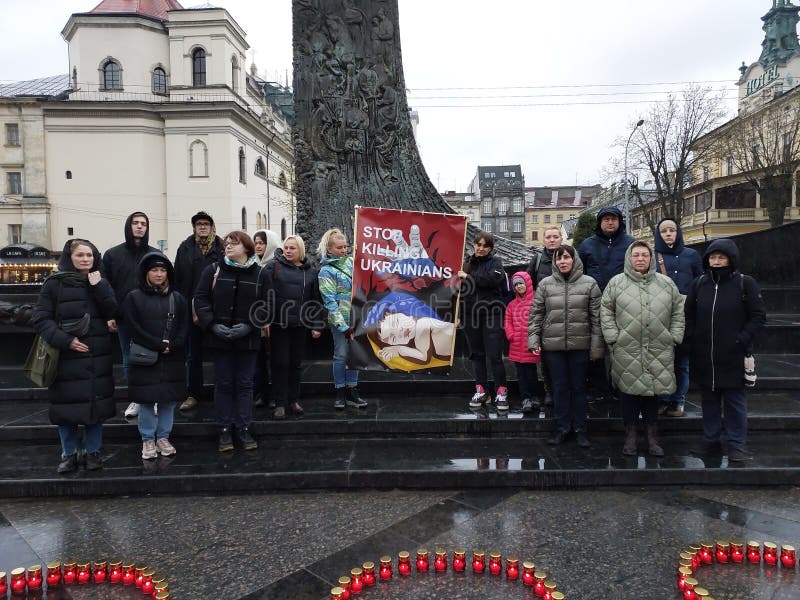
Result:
519,52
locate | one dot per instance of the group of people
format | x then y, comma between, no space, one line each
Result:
233,298
617,314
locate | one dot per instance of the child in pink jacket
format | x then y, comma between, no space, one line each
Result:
516,327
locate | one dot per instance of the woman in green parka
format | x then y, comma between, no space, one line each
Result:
641,316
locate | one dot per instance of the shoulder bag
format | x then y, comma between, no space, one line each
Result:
144,357
41,366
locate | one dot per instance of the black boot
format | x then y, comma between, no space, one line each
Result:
225,440
247,441
68,464
341,399
353,398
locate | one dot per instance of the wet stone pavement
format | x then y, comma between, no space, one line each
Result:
595,544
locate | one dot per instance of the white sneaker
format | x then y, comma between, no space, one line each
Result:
155,409
132,410
501,399
149,450
478,399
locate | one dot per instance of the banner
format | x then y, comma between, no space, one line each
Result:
404,304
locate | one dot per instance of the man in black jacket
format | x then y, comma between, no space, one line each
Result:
541,264
202,248
120,269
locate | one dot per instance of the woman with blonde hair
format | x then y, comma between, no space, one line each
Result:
292,308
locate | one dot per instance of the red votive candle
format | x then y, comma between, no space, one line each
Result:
404,563
558,596
512,568
128,574
162,595
35,577
549,588
683,574
539,578
147,581
344,583
706,553
753,552
440,560
422,560
459,559
53,577
159,584
18,583
528,569
369,573
385,572
694,549
137,575
770,553
478,561
495,563
84,575
788,556
3,583
115,572
99,572
70,573
688,588
737,552
337,593
700,593
356,580
723,552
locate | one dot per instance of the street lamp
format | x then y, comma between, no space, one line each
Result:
639,123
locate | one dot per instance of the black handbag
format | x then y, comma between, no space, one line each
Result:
140,356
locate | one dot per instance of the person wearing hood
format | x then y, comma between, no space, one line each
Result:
159,321
335,286
641,315
724,315
195,253
483,281
564,325
292,294
120,269
516,327
224,300
72,314
266,242
682,265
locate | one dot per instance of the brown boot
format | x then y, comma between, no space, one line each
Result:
629,449
652,442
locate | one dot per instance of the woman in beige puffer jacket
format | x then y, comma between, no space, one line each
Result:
642,320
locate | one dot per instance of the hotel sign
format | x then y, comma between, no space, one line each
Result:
766,78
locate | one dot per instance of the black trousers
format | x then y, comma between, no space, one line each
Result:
486,340
632,406
287,350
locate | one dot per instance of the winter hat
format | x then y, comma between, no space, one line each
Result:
202,215
157,261
515,280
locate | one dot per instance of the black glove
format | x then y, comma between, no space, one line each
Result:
221,331
239,331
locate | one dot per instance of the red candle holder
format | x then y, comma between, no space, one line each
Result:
440,560
558,595
753,552
369,573
84,575
53,577
100,572
3,583
137,575
737,552
159,584
128,574
404,563
344,583
723,552
337,593
459,559
688,588
356,580
422,560
539,578
770,553
34,578
115,572
18,583
512,568
700,593
549,588
385,572
706,553
788,556
147,581
162,596
70,573
683,574
478,561
686,563
495,563
528,569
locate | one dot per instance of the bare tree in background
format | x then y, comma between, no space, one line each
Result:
764,149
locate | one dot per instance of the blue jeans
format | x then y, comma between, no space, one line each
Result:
155,427
568,380
69,434
342,376
233,389
124,336
678,398
735,409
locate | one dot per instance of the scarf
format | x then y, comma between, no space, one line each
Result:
71,278
205,245
250,262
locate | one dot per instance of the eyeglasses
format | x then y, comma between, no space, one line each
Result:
231,244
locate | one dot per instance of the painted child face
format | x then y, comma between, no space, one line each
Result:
397,329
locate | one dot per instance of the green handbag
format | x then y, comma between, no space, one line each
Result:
41,365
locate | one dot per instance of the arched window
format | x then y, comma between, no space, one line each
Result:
198,159
242,166
159,81
112,76
244,219
234,74
282,179
283,229
198,67
260,168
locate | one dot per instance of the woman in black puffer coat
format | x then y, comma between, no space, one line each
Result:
77,299
147,312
